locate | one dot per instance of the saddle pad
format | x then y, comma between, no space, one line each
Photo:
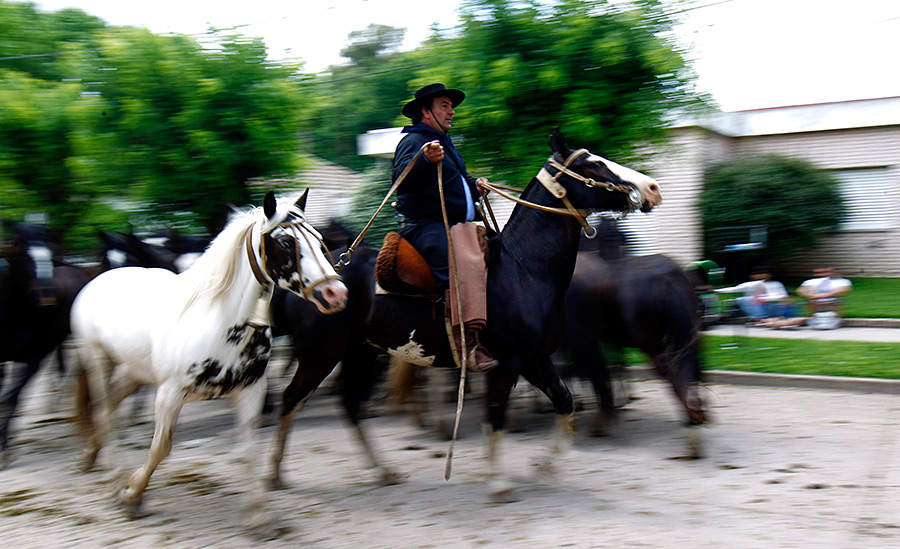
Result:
400,268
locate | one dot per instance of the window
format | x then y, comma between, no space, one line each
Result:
867,196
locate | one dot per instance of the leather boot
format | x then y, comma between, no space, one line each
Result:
478,359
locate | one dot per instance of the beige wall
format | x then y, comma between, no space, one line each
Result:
679,170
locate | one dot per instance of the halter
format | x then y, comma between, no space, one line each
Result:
551,183
259,265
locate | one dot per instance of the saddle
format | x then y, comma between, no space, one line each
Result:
401,269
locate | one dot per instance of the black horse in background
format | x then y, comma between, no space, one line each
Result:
36,294
643,302
128,250
529,268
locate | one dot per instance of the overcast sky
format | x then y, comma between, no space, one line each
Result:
748,53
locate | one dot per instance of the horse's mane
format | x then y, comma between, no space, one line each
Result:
217,269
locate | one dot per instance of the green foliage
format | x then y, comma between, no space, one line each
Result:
796,201
348,100
187,127
37,120
606,73
41,44
159,130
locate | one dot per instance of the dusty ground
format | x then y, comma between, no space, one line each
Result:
785,468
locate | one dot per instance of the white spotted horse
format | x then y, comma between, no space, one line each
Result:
199,334
529,268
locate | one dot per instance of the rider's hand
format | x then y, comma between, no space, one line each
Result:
434,152
479,184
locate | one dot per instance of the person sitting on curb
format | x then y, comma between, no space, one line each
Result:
765,301
824,293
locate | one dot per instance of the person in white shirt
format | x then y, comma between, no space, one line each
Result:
764,300
825,290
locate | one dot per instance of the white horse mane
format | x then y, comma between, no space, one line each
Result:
217,268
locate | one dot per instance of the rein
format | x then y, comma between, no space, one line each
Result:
344,258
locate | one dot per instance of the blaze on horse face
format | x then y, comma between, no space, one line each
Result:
296,261
598,168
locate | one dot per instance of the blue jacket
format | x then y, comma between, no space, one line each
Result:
418,197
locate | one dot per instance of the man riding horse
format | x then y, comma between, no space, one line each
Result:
420,215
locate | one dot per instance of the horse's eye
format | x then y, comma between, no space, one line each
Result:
285,244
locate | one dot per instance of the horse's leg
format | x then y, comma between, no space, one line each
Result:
589,362
97,371
169,400
359,374
249,408
542,375
307,378
682,369
9,401
500,382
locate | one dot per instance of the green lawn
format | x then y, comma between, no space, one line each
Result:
799,356
794,356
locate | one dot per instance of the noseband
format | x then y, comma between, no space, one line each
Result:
551,183
259,264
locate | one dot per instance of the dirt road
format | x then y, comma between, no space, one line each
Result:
784,468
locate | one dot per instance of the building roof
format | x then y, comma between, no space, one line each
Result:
332,188
860,113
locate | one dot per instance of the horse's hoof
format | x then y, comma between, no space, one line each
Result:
261,529
88,460
275,483
6,459
131,502
503,492
694,443
391,478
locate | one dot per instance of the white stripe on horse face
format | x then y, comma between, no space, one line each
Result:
647,185
312,258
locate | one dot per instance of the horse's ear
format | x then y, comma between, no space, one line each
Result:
301,202
558,143
269,205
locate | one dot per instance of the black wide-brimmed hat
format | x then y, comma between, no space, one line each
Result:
429,92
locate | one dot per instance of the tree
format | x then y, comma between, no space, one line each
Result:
365,94
609,74
797,202
184,129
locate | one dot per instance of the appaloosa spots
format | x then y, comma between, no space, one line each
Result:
213,378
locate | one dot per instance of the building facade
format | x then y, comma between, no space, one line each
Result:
858,142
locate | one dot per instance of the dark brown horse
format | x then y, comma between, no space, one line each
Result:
36,294
529,268
644,302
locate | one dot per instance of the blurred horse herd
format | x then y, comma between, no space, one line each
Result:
609,301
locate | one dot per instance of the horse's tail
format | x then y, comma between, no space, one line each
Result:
401,380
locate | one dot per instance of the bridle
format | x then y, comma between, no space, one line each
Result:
551,183
297,227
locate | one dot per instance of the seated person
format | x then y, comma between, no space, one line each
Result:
825,290
766,301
